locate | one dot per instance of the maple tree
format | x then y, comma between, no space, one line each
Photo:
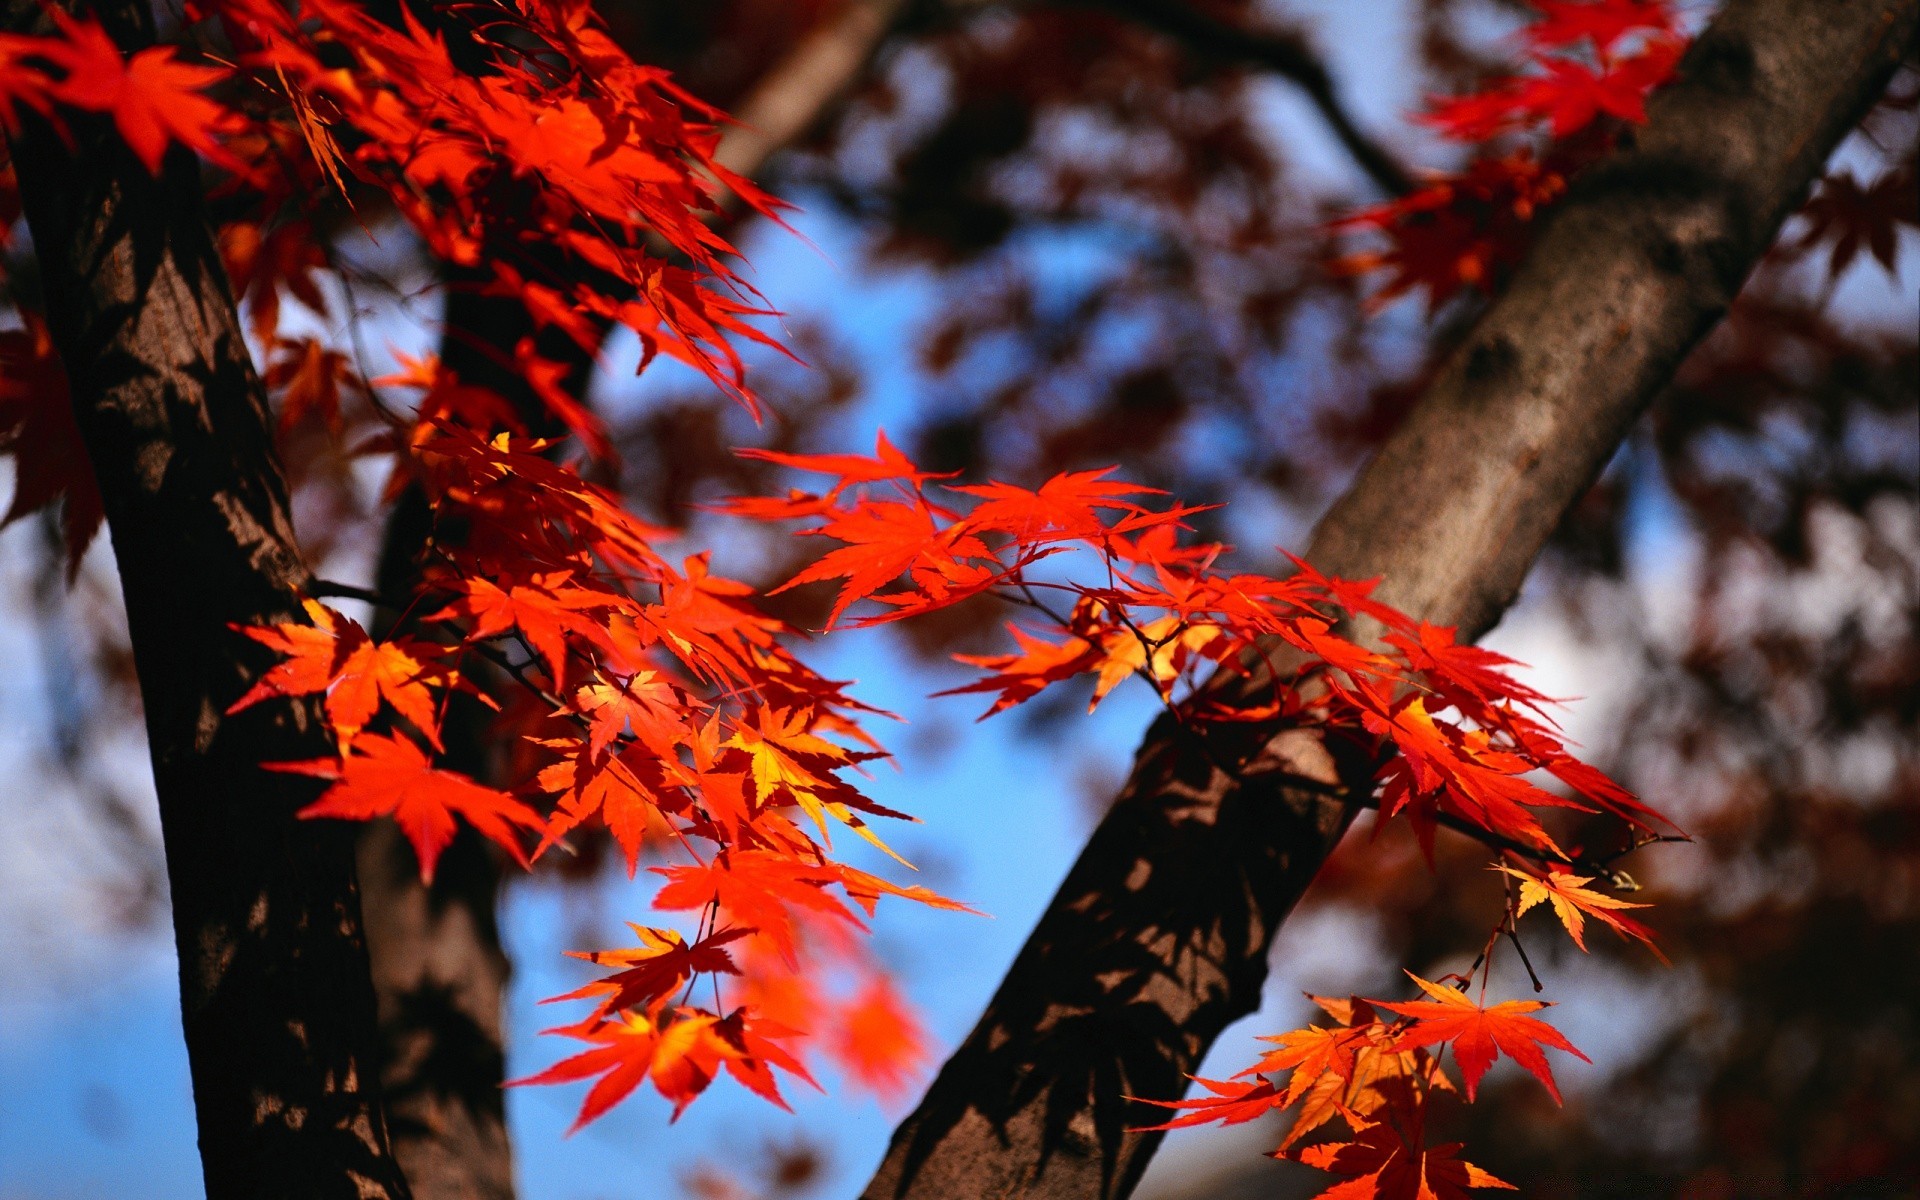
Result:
552,174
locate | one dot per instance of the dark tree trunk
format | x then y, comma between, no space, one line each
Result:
275,993
1159,936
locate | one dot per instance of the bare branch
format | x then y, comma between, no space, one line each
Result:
1285,53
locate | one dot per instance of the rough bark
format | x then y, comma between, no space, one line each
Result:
275,994
1159,936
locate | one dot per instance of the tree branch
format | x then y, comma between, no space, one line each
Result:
796,93
276,999
1283,52
1159,935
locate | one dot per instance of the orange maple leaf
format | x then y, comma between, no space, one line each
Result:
627,790
756,888
334,655
1480,1034
680,1050
887,463
1573,902
545,610
1231,1103
878,1040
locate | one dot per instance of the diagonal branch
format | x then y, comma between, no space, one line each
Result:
1159,935
799,90
1285,53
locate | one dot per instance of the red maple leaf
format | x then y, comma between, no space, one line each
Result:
154,98
545,609
37,427
887,463
757,888
1384,1164
876,1038
387,775
332,654
680,1050
1231,1102
657,967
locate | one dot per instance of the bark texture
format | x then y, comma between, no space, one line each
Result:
1159,936
275,993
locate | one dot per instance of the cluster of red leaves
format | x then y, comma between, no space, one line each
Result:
1376,1074
671,712
523,145
1458,738
565,170
1466,734
1590,59
520,143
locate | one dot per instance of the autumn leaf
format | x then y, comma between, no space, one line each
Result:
308,377
387,775
332,654
626,790
1230,1102
1068,505
887,463
1479,1035
657,967
680,1050
645,704
545,610
760,889
1858,217
1025,674
877,1039
1383,1164
37,428
154,98
1573,902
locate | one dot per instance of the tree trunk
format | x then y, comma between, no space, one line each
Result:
1159,936
438,966
275,994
